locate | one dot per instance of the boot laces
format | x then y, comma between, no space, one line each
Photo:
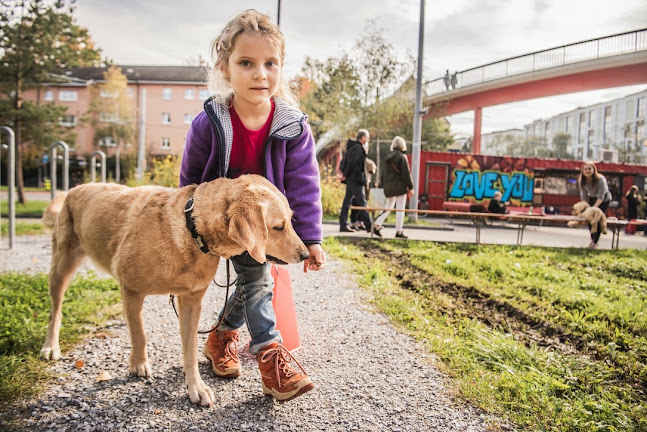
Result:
282,359
231,344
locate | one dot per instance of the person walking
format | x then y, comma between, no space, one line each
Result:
354,175
369,171
253,125
594,189
397,184
447,80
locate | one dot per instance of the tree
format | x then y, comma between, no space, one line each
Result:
112,112
330,93
39,40
561,142
362,89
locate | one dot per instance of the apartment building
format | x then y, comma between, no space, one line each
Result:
612,131
496,143
166,99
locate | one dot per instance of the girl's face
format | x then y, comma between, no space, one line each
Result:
254,69
587,171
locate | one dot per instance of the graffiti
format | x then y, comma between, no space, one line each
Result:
479,185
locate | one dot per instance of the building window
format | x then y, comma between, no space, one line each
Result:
189,94
130,91
167,93
582,130
107,94
108,117
166,143
67,120
546,129
68,96
607,122
640,109
568,125
204,94
49,95
592,118
188,118
166,118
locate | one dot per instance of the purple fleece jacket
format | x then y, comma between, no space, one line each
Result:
290,161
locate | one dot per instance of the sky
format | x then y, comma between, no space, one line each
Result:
459,34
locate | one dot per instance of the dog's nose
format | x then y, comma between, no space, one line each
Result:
303,255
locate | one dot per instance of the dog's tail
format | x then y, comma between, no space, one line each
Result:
53,209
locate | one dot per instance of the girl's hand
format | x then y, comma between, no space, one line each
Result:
316,260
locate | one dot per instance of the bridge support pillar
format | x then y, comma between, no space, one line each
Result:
476,140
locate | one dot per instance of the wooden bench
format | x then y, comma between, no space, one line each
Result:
522,220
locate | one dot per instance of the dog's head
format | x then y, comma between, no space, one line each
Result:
580,207
257,219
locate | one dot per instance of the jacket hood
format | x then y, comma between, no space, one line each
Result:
395,155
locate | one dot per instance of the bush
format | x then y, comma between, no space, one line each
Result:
332,192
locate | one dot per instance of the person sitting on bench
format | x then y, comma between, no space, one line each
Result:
496,206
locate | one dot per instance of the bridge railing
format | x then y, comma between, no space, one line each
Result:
607,46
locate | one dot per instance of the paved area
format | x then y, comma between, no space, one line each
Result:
501,233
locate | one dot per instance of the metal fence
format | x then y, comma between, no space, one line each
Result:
607,46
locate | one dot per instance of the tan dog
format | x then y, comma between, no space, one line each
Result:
593,215
140,236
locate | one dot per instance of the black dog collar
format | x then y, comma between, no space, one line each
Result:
188,211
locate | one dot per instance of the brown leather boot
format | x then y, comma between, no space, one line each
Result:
222,349
277,375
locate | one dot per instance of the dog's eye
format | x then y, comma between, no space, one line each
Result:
279,228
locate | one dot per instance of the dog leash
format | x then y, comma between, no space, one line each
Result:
224,312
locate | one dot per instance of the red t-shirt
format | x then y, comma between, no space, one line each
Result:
248,145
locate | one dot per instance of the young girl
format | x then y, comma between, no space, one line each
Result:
252,125
594,189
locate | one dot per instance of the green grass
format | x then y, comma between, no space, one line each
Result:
24,310
29,209
551,339
27,188
22,228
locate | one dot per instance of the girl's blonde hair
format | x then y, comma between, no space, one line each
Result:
398,143
252,22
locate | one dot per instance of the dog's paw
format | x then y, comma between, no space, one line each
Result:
572,224
142,369
50,353
200,393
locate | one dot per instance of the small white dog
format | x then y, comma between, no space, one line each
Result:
593,216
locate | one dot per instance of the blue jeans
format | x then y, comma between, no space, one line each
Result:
357,192
251,303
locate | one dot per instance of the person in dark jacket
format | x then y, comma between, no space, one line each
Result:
397,184
354,176
632,202
496,206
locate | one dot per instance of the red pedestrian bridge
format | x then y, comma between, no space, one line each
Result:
610,61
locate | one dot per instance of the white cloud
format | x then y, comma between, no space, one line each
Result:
459,34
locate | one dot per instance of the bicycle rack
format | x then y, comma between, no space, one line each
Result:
11,183
66,165
93,166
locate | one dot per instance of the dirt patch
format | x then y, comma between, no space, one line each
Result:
471,302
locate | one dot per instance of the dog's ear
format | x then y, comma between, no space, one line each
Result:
250,232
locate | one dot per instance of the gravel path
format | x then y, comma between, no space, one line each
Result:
368,376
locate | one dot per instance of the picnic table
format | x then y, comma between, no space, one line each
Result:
522,220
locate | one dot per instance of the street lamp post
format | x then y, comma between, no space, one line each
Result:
417,118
